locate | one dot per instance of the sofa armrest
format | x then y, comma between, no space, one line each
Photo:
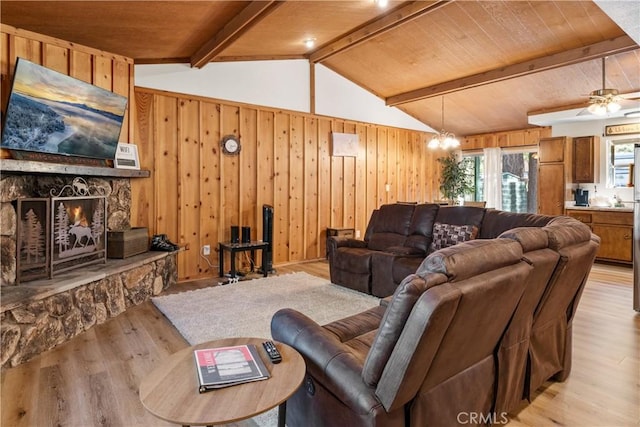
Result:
349,242
335,242
327,358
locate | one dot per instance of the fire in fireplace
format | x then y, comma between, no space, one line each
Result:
78,231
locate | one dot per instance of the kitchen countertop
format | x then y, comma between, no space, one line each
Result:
600,208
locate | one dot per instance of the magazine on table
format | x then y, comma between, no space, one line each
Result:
226,366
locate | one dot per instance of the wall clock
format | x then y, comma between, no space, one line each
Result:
230,145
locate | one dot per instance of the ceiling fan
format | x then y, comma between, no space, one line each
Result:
605,100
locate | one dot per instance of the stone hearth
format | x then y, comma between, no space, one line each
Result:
38,315
42,314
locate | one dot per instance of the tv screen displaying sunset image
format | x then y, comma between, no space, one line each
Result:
53,113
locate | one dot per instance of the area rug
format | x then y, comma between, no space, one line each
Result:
245,309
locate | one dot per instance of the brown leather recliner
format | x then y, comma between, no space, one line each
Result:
513,352
394,230
398,238
551,334
427,358
537,343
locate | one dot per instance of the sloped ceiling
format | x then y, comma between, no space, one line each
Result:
492,62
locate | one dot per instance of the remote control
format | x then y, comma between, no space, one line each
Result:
272,352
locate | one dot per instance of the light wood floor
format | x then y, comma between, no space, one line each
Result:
93,379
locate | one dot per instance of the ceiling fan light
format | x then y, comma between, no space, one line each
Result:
597,109
604,100
434,143
613,107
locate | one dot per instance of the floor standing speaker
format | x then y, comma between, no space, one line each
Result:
246,234
267,236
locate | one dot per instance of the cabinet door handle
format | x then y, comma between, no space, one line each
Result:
627,237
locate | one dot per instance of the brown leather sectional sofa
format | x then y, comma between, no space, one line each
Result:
399,236
468,335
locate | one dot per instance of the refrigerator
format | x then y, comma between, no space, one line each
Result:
636,228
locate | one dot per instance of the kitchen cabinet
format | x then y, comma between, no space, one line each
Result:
615,229
514,138
586,159
551,150
551,175
551,189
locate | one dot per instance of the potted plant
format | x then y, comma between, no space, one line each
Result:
454,181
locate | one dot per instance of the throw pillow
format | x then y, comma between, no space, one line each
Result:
445,235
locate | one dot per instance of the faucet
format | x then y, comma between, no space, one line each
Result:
618,203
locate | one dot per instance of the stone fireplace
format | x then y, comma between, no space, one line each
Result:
13,188
44,311
60,233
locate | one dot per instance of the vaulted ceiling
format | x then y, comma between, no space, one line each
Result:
492,61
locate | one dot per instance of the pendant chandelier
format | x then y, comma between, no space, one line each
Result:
444,139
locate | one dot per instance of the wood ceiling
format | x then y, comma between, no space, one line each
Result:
493,61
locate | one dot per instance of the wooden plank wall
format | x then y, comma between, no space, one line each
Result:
103,69
196,192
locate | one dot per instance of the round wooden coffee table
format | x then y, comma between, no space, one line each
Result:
170,391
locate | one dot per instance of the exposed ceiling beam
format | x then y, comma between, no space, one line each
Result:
388,22
240,23
222,58
140,61
597,50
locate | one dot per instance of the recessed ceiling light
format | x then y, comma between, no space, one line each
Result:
382,3
632,114
310,43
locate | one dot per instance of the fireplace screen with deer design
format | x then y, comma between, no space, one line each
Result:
32,254
78,227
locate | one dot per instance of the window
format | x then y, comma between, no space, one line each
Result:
475,172
519,180
619,157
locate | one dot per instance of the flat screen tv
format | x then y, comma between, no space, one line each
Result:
50,112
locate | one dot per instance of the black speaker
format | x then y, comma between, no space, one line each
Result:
267,236
235,234
246,234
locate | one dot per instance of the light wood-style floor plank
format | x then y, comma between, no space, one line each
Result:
93,379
